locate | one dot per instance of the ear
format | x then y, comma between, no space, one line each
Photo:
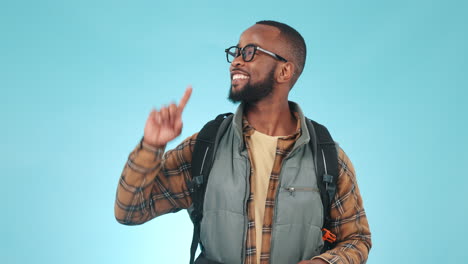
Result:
286,72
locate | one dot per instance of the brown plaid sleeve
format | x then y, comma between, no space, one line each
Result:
349,221
154,183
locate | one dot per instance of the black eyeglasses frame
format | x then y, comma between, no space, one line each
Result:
228,53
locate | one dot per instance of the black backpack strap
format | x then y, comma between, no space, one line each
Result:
326,163
202,161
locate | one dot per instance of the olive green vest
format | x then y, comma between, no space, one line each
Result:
298,215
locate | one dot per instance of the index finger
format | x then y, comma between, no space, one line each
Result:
184,99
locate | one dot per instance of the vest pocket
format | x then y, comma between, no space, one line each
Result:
293,243
299,205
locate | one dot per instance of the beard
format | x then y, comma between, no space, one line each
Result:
252,93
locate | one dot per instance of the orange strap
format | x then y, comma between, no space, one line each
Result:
328,236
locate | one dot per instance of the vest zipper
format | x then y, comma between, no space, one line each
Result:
276,202
246,220
276,209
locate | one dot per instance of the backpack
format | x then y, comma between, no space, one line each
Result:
325,159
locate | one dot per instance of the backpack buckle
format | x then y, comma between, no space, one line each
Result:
328,236
195,183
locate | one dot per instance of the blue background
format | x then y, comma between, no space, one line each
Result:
78,78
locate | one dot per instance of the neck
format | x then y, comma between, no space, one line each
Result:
271,118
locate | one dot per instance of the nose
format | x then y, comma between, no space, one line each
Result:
237,61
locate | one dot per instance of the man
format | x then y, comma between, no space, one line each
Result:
261,202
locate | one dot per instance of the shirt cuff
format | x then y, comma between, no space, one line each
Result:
322,258
145,158
158,152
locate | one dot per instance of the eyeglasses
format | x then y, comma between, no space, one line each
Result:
248,53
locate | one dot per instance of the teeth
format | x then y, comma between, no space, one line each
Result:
239,76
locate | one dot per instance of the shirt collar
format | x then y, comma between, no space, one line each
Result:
248,129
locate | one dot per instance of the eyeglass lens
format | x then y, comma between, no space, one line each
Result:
247,52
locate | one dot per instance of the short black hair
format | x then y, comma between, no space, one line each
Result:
295,41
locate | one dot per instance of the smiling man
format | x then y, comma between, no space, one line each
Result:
266,199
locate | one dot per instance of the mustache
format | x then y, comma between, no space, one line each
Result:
238,70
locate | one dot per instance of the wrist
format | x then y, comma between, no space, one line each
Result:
151,144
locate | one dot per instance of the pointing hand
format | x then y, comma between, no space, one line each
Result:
166,124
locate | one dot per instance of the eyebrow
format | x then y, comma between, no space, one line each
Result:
255,44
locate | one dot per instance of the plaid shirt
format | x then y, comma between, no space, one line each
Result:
153,183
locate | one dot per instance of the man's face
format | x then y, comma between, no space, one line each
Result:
254,80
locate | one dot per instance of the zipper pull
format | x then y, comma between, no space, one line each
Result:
291,190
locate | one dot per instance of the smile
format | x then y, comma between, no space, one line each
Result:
239,76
